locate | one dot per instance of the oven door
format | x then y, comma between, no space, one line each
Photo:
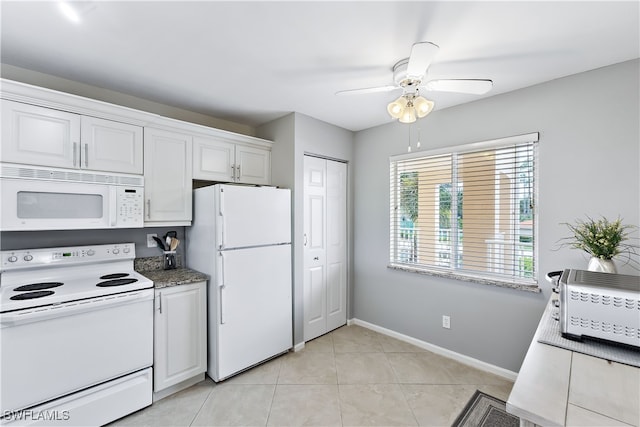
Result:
44,205
53,351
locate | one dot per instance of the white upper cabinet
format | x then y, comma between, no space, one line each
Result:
39,136
167,177
253,165
47,137
111,146
213,160
224,161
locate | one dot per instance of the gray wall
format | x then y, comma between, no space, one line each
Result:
589,165
294,136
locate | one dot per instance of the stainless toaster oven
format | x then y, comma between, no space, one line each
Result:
600,305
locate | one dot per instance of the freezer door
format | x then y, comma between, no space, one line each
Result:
254,312
253,216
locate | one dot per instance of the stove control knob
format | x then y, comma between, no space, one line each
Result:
28,257
12,258
91,252
126,250
115,251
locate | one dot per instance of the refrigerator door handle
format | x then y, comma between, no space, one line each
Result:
221,286
220,226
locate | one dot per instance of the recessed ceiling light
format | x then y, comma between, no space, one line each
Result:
68,11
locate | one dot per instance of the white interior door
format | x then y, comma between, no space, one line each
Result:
336,244
325,253
314,292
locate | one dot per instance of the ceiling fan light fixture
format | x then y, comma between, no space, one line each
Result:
409,114
396,107
409,107
423,106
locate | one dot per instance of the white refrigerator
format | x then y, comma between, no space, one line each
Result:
241,237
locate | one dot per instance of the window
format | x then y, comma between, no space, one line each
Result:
467,212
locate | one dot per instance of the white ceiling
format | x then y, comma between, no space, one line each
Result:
252,62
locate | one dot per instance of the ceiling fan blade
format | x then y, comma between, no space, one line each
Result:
421,56
473,86
367,90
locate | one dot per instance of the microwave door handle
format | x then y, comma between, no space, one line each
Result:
75,153
113,208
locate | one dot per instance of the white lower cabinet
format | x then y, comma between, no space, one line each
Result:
180,334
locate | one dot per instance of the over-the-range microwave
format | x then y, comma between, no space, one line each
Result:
42,198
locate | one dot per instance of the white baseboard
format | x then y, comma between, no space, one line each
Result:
475,363
298,347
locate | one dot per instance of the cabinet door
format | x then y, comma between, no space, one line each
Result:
39,136
253,165
167,177
111,146
213,160
180,340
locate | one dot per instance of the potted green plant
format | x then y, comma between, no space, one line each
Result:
602,240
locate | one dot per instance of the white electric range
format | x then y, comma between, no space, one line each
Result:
76,334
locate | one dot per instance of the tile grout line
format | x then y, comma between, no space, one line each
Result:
400,385
204,401
273,395
275,389
333,347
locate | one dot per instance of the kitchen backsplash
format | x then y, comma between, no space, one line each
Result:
48,239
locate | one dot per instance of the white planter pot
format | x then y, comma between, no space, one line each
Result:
601,265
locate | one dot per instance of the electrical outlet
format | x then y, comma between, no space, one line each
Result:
446,322
150,242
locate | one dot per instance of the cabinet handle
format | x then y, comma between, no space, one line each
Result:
86,155
148,208
233,172
238,170
75,153
305,239
160,302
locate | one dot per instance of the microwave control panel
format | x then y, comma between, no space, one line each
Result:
130,207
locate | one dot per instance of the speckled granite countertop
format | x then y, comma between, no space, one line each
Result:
152,268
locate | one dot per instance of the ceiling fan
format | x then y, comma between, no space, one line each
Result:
409,74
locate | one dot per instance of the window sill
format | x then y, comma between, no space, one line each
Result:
467,278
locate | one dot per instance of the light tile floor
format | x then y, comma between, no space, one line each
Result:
349,377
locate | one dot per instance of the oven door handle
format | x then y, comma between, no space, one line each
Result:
38,314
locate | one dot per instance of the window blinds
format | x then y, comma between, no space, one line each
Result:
468,210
